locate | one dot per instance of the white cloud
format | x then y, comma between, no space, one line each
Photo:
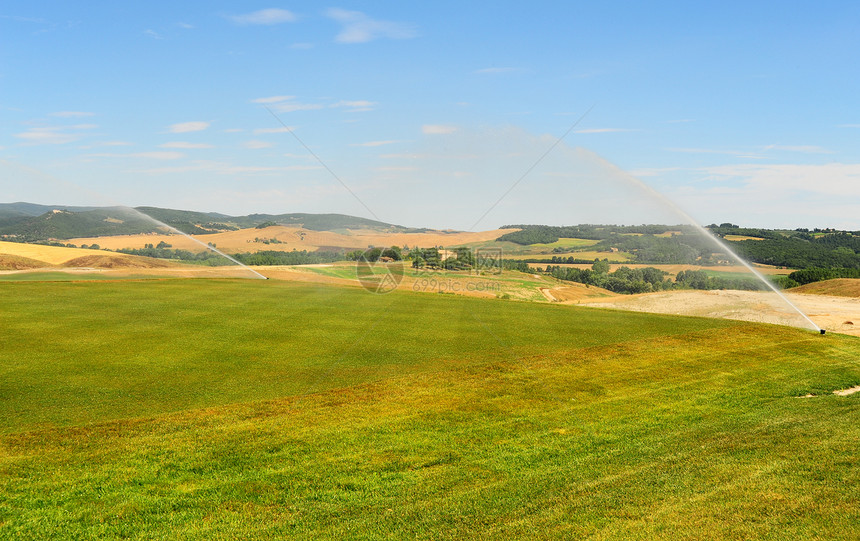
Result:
292,106
54,135
274,130
395,169
107,144
495,70
185,26
651,171
185,127
257,144
152,33
224,168
165,155
273,99
707,151
833,179
265,17
403,156
72,114
605,130
355,106
373,143
359,28
184,144
805,149
437,129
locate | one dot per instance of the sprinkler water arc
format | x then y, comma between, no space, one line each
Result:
61,182
201,243
671,205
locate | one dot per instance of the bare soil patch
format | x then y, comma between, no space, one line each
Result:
829,312
110,261
848,392
14,262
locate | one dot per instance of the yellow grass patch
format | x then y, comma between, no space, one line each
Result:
841,287
741,237
295,238
52,255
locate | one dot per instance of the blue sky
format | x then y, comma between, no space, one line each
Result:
429,112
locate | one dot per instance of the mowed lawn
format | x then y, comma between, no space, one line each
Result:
259,409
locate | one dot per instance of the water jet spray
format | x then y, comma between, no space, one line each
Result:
201,243
672,206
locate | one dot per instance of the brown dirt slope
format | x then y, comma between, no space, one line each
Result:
15,262
841,287
110,261
578,292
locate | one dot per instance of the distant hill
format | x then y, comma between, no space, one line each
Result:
31,223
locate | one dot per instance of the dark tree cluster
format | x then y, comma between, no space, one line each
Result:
807,276
375,254
162,251
547,234
270,257
623,280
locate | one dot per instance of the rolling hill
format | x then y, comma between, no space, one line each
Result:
30,222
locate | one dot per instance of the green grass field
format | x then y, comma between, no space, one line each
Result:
258,409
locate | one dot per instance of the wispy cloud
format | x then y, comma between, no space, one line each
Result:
185,127
652,171
292,106
184,144
359,28
304,45
106,144
223,168
849,126
152,33
273,130
273,99
707,151
269,17
373,143
72,114
437,129
395,169
162,155
254,145
833,179
496,70
116,144
54,135
605,130
186,26
804,149
356,106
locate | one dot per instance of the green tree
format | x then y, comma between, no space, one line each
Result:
600,266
